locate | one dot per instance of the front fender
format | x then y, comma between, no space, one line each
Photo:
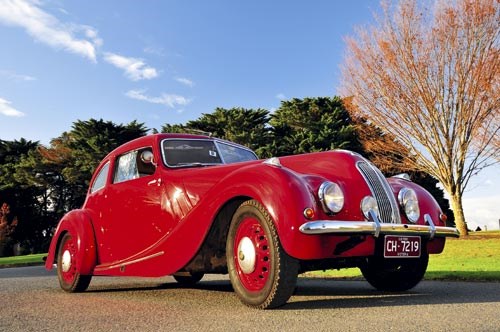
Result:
281,191
78,223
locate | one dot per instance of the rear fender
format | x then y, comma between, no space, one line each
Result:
79,225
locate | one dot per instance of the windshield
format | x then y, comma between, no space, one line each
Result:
235,154
199,152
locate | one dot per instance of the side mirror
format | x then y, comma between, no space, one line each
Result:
147,157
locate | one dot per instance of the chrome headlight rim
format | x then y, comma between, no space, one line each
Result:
369,203
408,200
331,197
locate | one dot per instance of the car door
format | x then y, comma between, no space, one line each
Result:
132,219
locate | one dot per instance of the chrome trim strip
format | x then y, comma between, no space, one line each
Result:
124,264
375,228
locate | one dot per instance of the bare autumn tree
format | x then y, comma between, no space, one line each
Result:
430,77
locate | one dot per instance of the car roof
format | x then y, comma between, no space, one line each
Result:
154,139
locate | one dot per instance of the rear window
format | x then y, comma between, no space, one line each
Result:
100,180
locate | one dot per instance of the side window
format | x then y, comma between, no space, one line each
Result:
133,165
100,180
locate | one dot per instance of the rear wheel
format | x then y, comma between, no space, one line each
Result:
69,278
261,272
394,275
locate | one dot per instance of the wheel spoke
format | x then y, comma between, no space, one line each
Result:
253,278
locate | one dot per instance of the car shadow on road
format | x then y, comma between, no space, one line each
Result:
313,293
211,286
317,293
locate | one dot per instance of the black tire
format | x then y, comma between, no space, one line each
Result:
270,280
394,275
188,279
70,279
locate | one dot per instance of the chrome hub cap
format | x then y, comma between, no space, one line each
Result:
66,261
246,255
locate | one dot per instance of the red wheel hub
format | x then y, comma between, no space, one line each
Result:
68,266
252,256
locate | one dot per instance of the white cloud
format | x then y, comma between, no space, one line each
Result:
10,75
135,69
280,96
47,29
482,211
92,34
185,81
169,100
159,51
62,10
7,110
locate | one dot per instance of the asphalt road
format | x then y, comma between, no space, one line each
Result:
31,300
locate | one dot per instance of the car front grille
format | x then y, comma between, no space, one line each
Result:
387,207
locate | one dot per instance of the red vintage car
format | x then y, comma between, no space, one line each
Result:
189,205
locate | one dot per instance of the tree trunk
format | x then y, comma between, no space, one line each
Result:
458,211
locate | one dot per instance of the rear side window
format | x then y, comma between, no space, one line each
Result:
100,180
131,166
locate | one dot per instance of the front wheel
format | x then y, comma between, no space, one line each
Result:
69,278
261,272
394,275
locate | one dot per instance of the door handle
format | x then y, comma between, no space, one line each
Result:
155,181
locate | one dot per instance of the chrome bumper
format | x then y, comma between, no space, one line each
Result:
376,228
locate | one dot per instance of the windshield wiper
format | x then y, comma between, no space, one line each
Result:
195,164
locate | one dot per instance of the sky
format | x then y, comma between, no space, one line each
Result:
169,61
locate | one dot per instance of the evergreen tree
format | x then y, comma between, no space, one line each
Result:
239,125
311,124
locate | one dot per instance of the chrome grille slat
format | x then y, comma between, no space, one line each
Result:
381,191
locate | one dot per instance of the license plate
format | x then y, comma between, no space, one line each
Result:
402,246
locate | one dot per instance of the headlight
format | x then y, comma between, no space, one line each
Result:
331,197
369,203
409,202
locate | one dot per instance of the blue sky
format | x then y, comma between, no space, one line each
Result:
170,61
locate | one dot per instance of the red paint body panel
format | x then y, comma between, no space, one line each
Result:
154,225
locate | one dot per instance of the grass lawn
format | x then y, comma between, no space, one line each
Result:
475,258
22,260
